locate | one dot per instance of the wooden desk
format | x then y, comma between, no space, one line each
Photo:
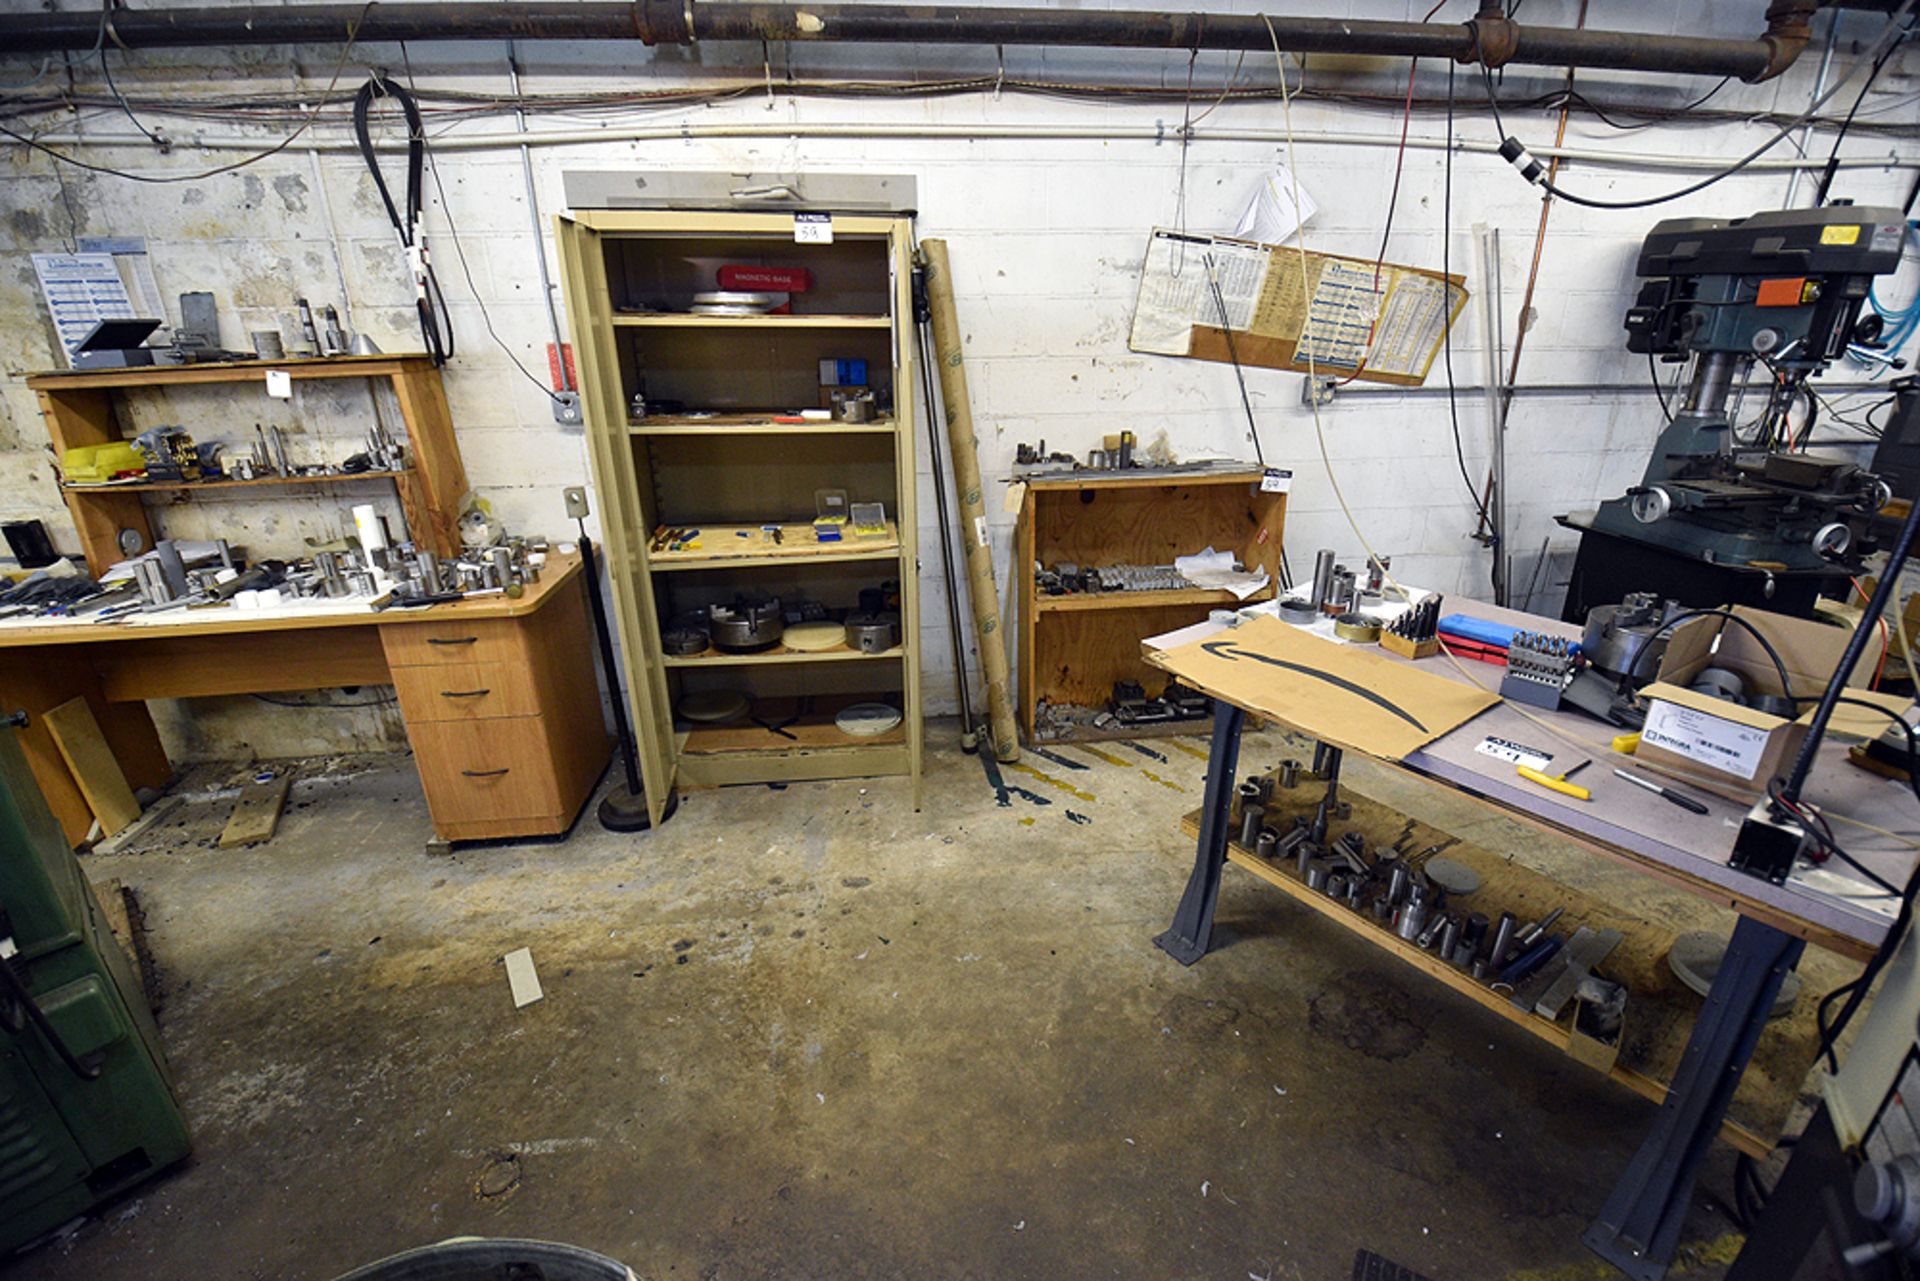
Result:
498,695
1638,1227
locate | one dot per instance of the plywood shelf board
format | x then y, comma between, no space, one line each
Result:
1660,1010
196,486
814,729
1082,601
723,545
234,371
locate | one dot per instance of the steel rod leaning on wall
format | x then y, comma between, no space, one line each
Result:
973,508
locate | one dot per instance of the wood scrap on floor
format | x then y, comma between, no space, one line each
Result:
95,771
256,815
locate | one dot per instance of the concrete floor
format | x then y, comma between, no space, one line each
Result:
809,1033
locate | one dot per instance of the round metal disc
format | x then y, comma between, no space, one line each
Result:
865,719
1695,960
714,706
1457,879
813,637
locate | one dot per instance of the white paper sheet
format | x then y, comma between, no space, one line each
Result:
1271,216
1214,571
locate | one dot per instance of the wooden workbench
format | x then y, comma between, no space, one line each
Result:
498,695
1638,1227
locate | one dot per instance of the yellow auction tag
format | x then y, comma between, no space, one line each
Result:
1839,235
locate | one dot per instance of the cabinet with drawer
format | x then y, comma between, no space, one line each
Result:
504,716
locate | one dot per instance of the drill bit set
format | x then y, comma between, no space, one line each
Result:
1416,632
1539,669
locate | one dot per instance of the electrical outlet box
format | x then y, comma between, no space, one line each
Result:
566,408
1317,391
1769,844
576,497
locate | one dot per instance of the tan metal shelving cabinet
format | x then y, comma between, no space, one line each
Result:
721,464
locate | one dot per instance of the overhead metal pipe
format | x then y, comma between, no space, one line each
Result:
1489,38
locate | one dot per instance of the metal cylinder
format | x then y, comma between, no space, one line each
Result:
1449,939
1474,932
1397,881
1413,919
1502,939
1317,874
1712,379
1252,819
1336,886
1322,576
1304,853
1265,844
1262,785
1289,774
429,566
1249,793
1356,886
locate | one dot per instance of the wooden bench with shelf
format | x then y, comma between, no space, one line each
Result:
82,407
1074,647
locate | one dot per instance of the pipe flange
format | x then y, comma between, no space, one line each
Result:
1789,28
1492,37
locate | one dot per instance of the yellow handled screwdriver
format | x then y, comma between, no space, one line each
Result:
1557,782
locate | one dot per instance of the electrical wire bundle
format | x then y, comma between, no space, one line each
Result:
436,328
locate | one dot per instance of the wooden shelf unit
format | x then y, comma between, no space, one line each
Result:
82,407
1074,647
730,469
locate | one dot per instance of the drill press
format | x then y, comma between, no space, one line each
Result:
1731,508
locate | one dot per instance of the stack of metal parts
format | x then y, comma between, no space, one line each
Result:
1412,891
1539,668
400,575
1176,702
1066,578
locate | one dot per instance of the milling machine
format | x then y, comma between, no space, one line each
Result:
1731,509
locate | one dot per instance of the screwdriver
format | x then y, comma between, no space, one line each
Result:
1683,801
1557,783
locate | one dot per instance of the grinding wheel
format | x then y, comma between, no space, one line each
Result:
1457,879
813,637
1695,960
866,719
714,706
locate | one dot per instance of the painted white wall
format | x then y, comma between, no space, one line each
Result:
1047,238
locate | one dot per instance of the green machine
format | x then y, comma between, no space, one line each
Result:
86,1104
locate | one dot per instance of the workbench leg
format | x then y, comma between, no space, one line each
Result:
1186,942
1640,1223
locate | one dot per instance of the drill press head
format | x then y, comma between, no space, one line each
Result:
1782,290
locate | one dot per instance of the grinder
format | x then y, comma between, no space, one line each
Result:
746,627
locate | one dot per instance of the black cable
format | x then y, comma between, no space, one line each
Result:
1516,153
106,73
1652,118
1660,393
34,144
1779,665
1856,646
1446,334
436,327
1239,374
1840,135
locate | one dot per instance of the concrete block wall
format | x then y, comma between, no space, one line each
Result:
1047,237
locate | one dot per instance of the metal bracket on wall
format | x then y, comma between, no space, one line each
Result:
566,408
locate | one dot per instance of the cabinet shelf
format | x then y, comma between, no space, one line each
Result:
781,654
677,320
756,425
195,486
725,546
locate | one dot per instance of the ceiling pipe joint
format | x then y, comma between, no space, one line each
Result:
1789,28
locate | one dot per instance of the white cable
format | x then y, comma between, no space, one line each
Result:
861,131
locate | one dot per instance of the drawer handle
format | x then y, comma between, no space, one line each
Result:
465,693
485,773
457,640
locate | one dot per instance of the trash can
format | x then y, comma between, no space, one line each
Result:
481,1259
